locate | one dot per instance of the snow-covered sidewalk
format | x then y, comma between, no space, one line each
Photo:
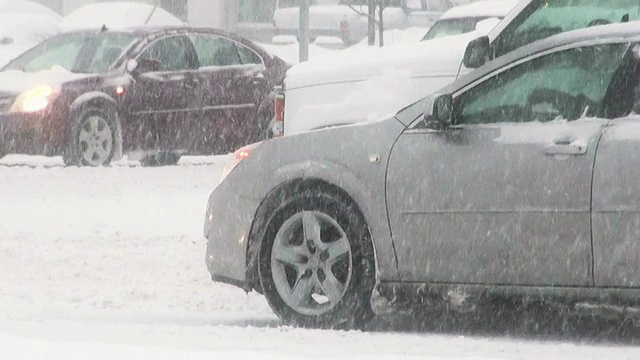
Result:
108,263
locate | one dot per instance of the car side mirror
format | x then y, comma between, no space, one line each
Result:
439,111
477,53
142,66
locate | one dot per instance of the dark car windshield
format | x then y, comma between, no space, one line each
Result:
85,53
453,27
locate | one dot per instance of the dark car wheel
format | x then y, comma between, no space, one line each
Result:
317,265
94,138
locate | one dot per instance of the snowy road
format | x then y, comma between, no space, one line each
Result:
108,264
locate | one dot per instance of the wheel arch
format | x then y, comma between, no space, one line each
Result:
270,204
102,101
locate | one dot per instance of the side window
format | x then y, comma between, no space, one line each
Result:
542,19
172,52
248,56
559,85
215,51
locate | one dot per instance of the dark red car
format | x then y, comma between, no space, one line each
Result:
91,96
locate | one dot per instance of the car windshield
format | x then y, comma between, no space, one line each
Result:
452,27
558,16
76,52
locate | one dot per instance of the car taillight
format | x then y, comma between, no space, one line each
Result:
278,119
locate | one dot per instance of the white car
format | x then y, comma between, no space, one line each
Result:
347,19
367,84
464,19
23,24
118,15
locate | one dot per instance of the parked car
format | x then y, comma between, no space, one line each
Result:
24,24
348,21
89,95
519,179
324,93
118,15
464,19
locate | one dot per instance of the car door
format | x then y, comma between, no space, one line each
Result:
232,83
161,101
503,196
616,191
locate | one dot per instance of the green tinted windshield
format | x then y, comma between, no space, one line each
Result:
75,52
550,17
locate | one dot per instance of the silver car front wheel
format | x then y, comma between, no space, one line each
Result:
317,263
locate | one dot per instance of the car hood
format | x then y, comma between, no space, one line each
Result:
440,56
16,82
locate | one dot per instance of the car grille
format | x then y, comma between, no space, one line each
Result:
5,103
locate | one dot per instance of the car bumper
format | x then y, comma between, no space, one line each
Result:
30,133
228,222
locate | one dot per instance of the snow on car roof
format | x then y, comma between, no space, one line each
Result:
26,7
492,8
118,15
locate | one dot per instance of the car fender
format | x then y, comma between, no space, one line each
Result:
342,177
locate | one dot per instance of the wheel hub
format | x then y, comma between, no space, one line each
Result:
311,262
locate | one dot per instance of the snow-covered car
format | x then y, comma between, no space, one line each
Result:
347,19
158,92
464,19
520,179
118,15
352,87
24,24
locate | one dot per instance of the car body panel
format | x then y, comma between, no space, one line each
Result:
486,205
276,164
616,205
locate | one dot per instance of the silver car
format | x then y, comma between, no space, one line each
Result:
522,178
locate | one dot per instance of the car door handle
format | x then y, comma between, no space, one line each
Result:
258,79
190,83
564,147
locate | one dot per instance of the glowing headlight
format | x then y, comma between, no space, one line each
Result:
35,99
237,157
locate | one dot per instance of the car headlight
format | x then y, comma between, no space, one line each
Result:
237,157
35,99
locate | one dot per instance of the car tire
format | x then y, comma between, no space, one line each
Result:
323,279
95,138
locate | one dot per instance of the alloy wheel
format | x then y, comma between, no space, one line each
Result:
95,141
311,262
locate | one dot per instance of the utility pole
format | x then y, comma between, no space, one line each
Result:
381,7
303,35
371,22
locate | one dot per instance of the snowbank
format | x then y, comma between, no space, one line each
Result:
118,15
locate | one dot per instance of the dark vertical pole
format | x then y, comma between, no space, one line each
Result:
371,30
381,22
303,35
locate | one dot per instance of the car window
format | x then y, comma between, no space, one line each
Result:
215,51
76,52
544,18
449,27
63,54
248,56
560,85
172,52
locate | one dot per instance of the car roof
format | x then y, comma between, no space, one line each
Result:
482,8
626,32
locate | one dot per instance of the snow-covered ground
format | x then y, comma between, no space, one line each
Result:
107,263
